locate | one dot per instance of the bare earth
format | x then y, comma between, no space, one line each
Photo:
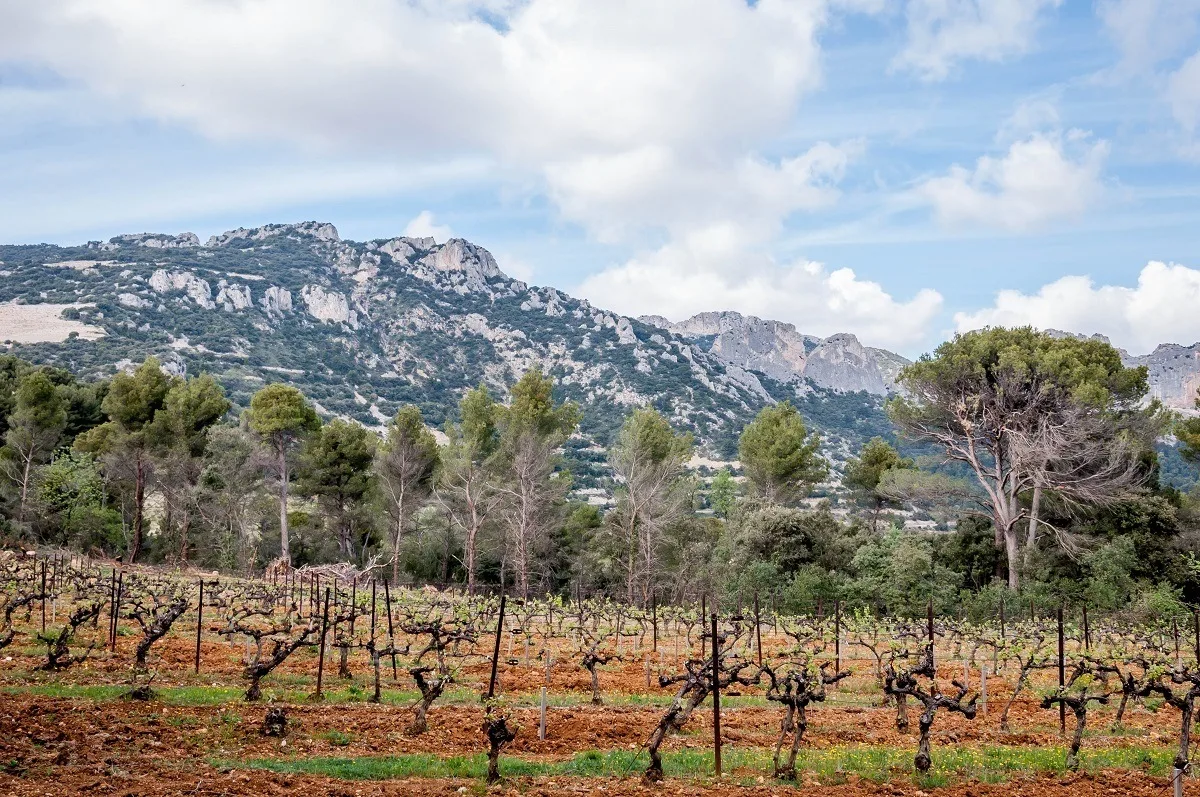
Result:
41,323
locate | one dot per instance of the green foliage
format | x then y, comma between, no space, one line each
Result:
280,415
780,457
71,490
533,410
722,493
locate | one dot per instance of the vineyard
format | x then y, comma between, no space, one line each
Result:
138,681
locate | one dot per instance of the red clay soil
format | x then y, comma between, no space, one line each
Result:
203,781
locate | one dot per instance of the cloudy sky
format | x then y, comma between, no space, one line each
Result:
899,169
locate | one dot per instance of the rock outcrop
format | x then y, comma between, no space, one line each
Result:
777,350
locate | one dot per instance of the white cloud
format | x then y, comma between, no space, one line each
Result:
1184,93
641,121
711,269
1042,178
424,226
1160,309
942,33
1148,32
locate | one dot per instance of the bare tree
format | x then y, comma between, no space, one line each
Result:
653,493
533,496
405,465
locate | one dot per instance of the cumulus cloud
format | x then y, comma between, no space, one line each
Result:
1160,309
711,269
942,33
424,226
1044,177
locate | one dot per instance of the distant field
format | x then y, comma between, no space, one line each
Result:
41,323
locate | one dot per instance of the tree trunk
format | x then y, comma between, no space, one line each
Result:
1031,535
284,553
139,503
1013,558
25,486
396,539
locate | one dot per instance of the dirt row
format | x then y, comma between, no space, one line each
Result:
204,781
45,733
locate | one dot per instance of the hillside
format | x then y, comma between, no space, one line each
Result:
365,327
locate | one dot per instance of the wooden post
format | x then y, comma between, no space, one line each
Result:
1087,631
372,614
491,692
757,630
837,638
116,609
199,623
321,655
43,596
1196,632
1062,677
112,604
542,716
716,690
929,622
654,620
983,689
387,604
1175,632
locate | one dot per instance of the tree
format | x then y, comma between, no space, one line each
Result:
532,427
228,499
864,474
125,441
466,488
71,490
1028,412
281,418
179,435
648,461
780,457
406,464
722,493
35,427
1188,432
335,467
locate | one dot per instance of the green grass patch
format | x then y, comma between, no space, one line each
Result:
991,764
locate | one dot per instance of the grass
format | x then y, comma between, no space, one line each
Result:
990,764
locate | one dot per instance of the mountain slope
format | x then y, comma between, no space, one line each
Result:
365,327
776,349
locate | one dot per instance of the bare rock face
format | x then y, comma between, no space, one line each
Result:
198,290
842,363
156,240
475,263
325,305
233,297
276,301
776,349
1174,373
322,231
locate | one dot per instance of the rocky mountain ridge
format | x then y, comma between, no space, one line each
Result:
1173,370
365,327
777,350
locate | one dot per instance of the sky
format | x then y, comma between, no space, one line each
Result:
899,169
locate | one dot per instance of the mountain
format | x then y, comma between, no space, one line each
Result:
776,349
366,327
1174,370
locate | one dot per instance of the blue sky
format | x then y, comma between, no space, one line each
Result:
899,170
